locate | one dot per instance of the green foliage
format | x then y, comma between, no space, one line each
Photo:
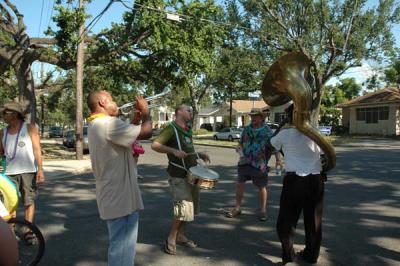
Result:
346,90
200,131
335,35
349,87
392,73
68,20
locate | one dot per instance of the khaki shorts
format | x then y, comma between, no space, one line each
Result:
26,184
186,199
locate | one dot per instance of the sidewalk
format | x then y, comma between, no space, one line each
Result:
54,169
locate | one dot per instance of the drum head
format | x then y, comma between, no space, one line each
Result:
204,173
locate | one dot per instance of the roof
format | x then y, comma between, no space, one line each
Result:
245,106
385,95
208,110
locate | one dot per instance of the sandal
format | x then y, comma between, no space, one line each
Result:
262,216
169,248
233,213
188,243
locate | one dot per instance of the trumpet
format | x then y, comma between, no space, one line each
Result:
128,108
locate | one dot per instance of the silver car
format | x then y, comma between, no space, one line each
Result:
69,139
229,133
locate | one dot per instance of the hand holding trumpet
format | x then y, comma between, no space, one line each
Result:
141,110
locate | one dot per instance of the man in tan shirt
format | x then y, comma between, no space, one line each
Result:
117,191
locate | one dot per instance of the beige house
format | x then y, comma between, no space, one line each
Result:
240,113
376,113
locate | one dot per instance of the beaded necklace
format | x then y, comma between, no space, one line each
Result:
16,142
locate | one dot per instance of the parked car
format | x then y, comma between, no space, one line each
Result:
56,132
209,126
69,139
229,133
325,130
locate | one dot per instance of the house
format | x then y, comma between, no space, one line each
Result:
376,113
240,111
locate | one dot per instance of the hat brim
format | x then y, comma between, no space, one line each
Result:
260,114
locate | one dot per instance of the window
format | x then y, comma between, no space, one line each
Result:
279,117
371,115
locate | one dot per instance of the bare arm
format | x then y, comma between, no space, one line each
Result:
1,144
161,148
147,125
37,152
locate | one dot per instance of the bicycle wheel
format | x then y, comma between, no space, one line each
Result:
30,242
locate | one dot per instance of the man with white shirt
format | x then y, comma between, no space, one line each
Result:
303,190
117,191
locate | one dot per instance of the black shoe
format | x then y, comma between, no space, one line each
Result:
305,257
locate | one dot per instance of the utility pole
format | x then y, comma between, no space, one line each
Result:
79,90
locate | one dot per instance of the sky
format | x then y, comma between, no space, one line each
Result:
37,14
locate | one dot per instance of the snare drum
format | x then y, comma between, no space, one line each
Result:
203,177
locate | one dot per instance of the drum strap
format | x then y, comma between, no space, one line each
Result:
180,148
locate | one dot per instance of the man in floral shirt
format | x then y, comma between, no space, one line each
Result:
253,163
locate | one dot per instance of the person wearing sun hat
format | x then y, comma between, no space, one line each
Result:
20,145
254,153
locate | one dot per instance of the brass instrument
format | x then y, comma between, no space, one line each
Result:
285,81
129,108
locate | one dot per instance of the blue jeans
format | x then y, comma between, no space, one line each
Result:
123,233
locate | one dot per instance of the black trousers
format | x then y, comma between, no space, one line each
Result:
301,194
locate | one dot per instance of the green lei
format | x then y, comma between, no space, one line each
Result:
186,133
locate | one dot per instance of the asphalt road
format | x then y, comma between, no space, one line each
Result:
361,215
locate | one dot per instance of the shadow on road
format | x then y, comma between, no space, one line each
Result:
361,218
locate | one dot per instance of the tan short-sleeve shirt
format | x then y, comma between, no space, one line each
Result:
117,189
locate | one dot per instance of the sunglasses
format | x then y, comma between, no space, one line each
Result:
8,112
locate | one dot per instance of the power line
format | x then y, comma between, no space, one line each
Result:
51,14
41,16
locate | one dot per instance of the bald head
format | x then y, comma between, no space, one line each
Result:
94,99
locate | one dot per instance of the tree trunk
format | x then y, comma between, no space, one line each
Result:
26,90
230,106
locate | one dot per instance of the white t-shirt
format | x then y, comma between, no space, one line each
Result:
117,189
302,155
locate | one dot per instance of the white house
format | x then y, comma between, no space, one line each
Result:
240,113
376,113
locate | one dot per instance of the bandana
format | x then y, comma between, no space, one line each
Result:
95,115
187,133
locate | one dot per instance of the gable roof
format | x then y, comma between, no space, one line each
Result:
245,106
385,95
208,110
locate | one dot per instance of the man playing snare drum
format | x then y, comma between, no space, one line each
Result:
185,195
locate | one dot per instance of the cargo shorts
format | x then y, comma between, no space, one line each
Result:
185,197
27,186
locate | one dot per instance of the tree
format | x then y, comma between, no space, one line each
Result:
239,64
334,35
349,87
392,73
346,90
191,48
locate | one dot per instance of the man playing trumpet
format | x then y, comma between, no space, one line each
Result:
117,191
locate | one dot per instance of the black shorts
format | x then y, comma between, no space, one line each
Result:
248,172
26,184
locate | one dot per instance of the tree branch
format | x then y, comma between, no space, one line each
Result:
350,26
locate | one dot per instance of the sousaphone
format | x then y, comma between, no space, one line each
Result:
285,81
